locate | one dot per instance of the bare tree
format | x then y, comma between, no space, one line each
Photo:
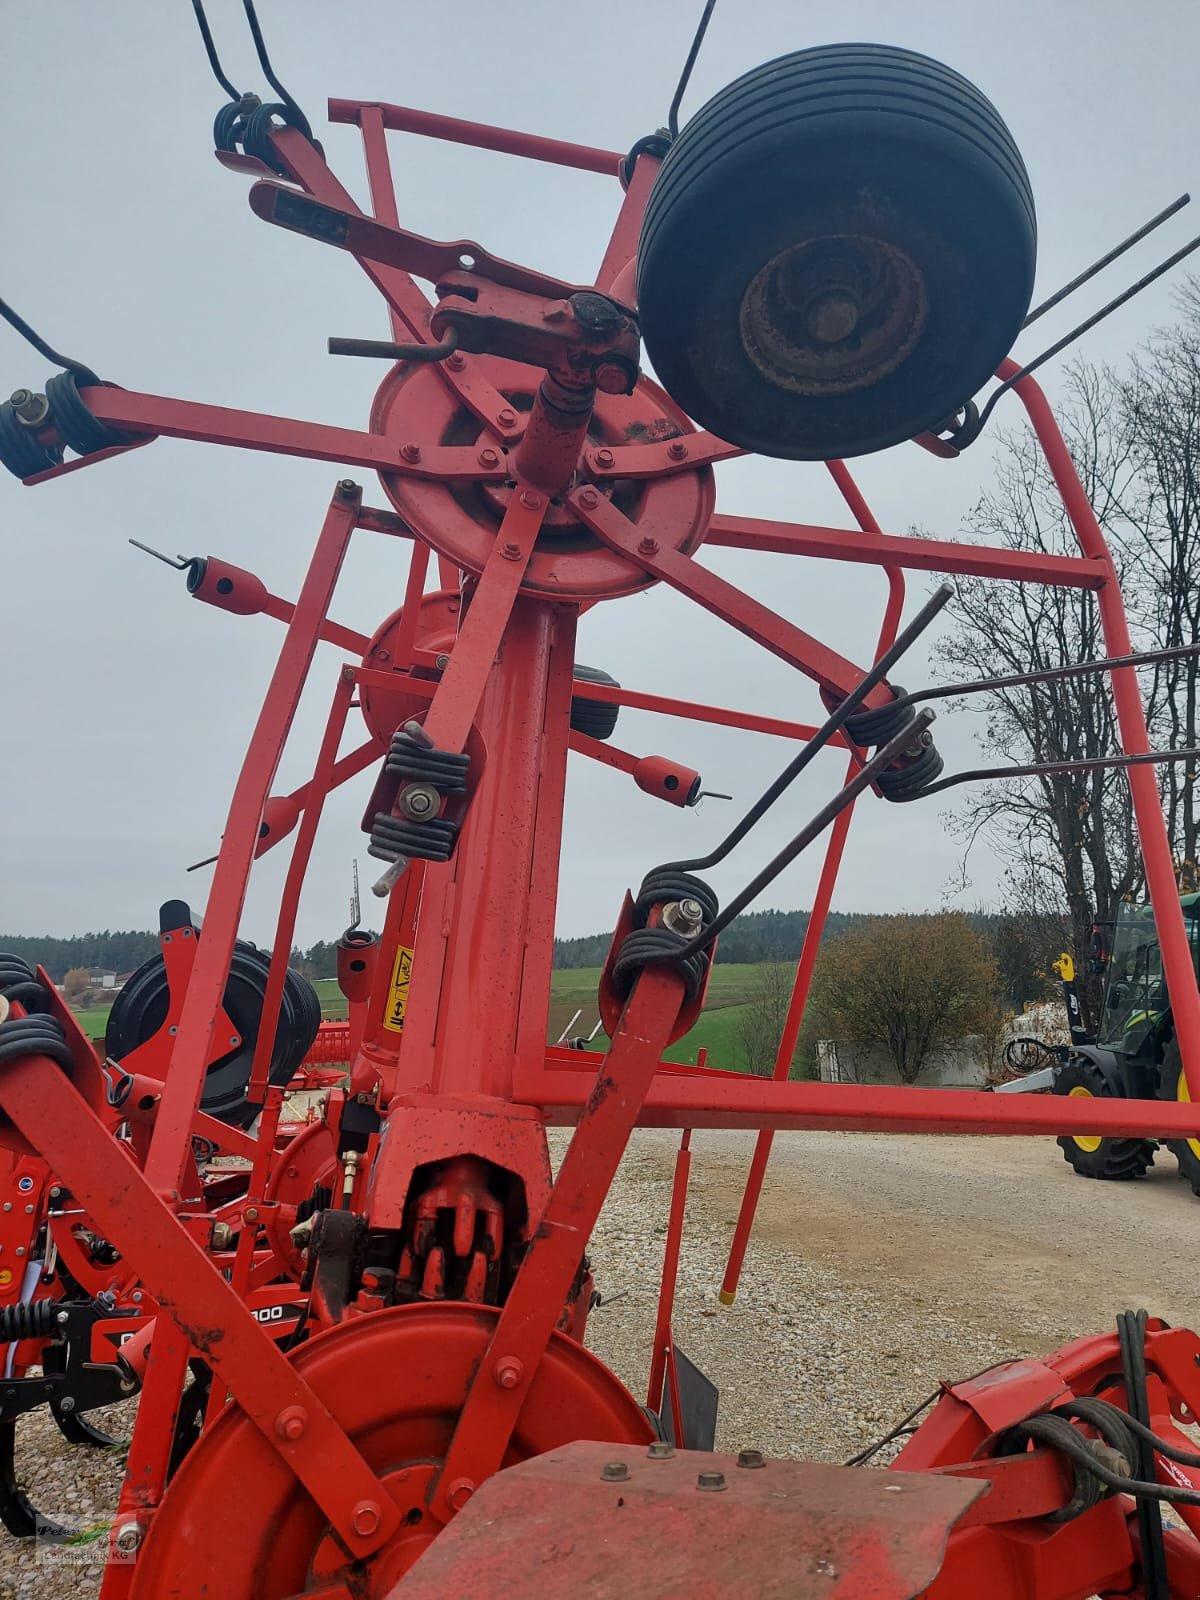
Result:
1160,401
760,1024
908,983
1069,837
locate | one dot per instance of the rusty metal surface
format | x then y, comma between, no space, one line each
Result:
565,1524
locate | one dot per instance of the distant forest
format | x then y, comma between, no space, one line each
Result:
1023,947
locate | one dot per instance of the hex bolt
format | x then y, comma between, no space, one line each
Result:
459,1492
511,551
410,452
685,917
32,409
605,458
750,1458
661,1450
251,1213
677,450
137,1295
614,1472
347,487
648,547
128,1538
441,662
222,1236
455,361
555,311
28,1211
506,418
127,1385
589,499
66,1403
713,1482
291,1422
489,458
530,500
615,377
508,1372
364,1519
419,801
62,1316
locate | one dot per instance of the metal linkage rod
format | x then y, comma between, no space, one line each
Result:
1046,768
863,779
1106,260
824,734
1075,669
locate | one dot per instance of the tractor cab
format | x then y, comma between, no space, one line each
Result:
1136,1003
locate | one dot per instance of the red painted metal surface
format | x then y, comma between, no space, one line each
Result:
427,1178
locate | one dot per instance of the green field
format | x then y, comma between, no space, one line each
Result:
729,992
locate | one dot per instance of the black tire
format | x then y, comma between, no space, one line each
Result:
837,253
596,718
1116,1159
141,1009
1170,1079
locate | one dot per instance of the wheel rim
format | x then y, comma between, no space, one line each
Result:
829,316
1182,1095
1088,1142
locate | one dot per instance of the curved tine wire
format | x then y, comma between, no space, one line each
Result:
15,320
1084,327
260,46
845,796
824,733
1048,768
214,60
685,75
1074,669
1107,260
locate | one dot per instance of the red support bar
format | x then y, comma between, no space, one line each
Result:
286,436
457,697
822,901
731,1100
181,1093
540,1290
693,711
507,141
293,885
670,1275
723,599
1161,884
58,1123
919,555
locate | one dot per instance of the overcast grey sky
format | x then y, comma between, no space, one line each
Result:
127,706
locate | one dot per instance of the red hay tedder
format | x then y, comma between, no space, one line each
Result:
359,1338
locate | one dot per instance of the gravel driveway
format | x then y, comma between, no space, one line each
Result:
880,1264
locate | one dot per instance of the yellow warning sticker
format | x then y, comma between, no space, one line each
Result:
397,1001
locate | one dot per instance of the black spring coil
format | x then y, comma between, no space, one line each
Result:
20,451
392,837
229,124
79,428
18,981
444,770
880,726
34,1036
33,1321
654,947
666,884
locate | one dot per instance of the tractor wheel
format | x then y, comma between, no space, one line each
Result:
837,253
1173,1086
597,718
1091,1155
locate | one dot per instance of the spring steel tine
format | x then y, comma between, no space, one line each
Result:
1075,669
181,563
1106,260
824,733
1046,768
861,780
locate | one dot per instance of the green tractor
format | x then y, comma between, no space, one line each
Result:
1136,1054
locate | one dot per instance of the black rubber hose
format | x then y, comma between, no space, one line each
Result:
1131,1330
